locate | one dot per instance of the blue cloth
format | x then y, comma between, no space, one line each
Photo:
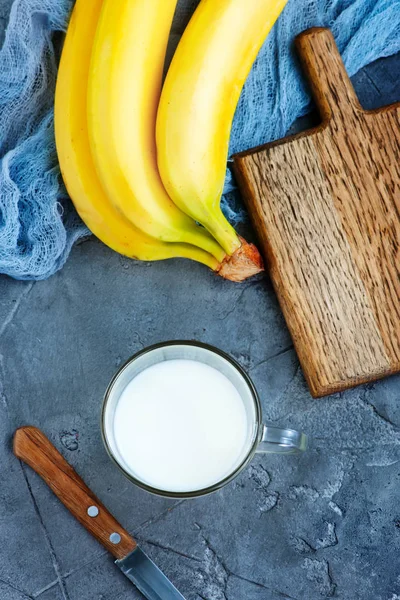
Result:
38,224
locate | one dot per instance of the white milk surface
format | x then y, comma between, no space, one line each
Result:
180,426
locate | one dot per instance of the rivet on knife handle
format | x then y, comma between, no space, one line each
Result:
32,447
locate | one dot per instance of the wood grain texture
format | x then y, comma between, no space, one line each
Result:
32,447
326,206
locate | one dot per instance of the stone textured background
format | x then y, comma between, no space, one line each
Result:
323,525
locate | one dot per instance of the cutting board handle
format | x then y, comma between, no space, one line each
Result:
33,447
331,86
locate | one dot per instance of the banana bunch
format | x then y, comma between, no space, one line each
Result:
148,200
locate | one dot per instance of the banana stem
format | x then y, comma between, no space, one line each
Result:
201,256
222,231
199,236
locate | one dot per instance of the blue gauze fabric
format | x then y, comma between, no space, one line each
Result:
38,225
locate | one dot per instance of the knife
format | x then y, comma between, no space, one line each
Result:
32,447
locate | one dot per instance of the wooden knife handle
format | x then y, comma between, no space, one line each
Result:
33,447
332,89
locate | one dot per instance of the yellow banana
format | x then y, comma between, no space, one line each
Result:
124,89
75,158
198,102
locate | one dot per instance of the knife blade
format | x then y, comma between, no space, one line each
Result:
147,577
36,450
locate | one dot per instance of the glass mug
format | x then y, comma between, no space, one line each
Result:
260,438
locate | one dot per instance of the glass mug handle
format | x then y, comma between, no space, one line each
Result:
281,441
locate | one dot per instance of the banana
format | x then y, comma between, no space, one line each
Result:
124,89
198,102
75,158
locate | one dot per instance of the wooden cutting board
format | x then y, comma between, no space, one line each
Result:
326,207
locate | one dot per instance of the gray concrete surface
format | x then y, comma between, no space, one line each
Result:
323,525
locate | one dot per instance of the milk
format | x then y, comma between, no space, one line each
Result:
181,426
